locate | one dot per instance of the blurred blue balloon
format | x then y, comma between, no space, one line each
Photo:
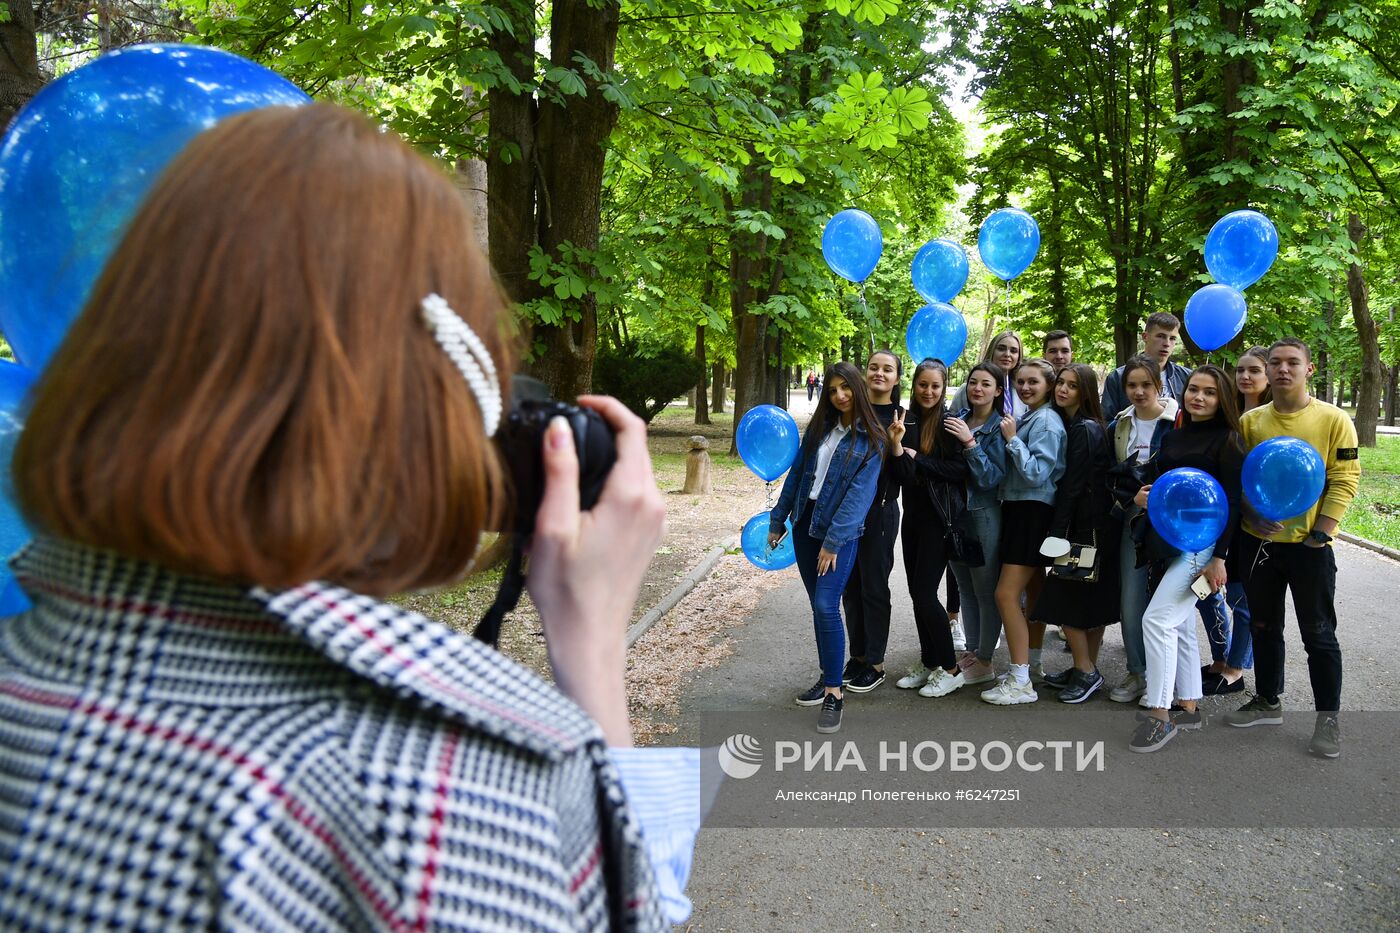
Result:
1008,242
767,439
939,270
1240,248
1283,477
15,383
1188,509
936,332
79,159
1215,315
851,244
754,541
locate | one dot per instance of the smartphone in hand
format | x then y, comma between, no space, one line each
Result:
1201,587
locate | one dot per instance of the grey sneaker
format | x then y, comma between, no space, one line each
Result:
829,720
1132,687
1327,738
1257,712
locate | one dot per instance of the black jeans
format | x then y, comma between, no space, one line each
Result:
1311,574
925,562
867,596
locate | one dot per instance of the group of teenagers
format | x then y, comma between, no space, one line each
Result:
1028,491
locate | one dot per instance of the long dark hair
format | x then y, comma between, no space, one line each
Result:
898,370
1089,406
1228,412
930,421
827,417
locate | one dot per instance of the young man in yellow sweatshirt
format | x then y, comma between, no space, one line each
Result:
1296,554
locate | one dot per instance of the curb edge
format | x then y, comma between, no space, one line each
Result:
698,573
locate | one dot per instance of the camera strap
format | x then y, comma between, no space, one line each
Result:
507,595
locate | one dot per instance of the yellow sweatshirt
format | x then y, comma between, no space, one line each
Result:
1332,434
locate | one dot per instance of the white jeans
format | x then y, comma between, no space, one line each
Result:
1169,633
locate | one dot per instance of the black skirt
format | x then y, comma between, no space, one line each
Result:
1071,604
1024,527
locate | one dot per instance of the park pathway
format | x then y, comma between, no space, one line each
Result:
1053,879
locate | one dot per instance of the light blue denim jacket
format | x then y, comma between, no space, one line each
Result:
987,461
1035,457
838,515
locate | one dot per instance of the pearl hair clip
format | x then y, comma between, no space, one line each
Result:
469,355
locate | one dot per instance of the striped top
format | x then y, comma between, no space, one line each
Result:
177,752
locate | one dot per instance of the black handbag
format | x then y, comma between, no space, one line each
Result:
1081,564
961,546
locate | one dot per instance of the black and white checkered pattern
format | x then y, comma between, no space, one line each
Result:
180,753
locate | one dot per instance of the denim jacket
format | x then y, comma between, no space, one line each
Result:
838,515
1035,457
987,461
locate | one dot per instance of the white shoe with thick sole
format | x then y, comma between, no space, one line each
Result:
1010,693
941,683
916,678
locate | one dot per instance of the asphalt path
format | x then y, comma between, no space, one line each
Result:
1067,878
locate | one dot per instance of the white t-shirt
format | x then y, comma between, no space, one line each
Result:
1141,444
824,453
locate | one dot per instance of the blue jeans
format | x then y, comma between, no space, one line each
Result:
1228,631
824,593
977,586
1132,603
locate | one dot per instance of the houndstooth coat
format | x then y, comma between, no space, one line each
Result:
180,753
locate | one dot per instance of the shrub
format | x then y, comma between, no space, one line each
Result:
645,380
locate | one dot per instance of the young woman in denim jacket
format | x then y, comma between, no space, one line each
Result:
932,473
1035,461
827,494
984,449
1137,433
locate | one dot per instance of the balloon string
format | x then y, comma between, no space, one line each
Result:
769,497
870,331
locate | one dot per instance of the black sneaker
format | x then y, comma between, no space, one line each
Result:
1217,686
829,720
1327,738
1151,734
867,680
813,696
1060,679
853,668
1081,686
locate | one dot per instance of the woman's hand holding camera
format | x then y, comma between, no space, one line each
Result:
586,568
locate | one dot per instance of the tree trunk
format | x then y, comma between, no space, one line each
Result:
510,164
1324,359
571,144
702,407
1391,389
1368,399
20,78
717,379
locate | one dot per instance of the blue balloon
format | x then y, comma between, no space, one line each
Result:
1240,248
851,244
15,383
754,541
81,156
1008,242
1215,315
1188,509
936,332
767,439
1283,477
939,270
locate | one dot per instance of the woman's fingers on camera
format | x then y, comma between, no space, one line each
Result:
559,508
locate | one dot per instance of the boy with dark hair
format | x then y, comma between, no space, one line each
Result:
1296,555
1160,336
1058,349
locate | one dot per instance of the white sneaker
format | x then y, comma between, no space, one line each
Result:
941,683
918,676
959,639
1059,633
1132,687
1010,693
1037,673
979,672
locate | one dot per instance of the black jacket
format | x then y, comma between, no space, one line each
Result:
1083,502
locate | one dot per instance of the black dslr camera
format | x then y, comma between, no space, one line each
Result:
521,439
521,443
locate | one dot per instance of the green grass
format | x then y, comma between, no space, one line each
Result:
1375,512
